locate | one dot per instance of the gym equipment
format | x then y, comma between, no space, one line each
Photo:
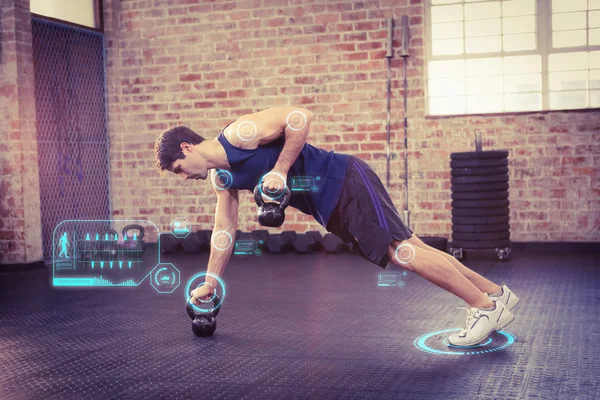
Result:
271,214
261,234
196,242
439,243
107,243
333,244
480,205
282,242
131,244
308,242
203,324
169,243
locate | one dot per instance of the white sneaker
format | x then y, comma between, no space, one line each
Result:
507,297
481,323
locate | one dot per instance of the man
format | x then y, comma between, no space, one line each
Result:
270,148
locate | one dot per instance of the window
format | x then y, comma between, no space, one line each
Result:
80,12
493,56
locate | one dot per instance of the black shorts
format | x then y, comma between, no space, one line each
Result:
365,214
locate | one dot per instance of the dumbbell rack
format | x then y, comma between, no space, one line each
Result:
480,205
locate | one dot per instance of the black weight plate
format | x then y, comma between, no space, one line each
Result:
480,228
481,187
479,155
498,195
481,220
479,203
495,162
480,236
478,171
480,212
479,179
469,244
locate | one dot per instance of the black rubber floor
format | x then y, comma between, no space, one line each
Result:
300,327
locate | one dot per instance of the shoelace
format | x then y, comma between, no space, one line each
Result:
470,317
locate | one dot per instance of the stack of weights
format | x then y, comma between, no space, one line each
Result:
480,213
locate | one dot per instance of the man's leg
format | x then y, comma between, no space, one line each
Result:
438,270
483,284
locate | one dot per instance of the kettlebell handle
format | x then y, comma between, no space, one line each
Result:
284,202
193,313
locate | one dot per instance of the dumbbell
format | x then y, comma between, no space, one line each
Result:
196,242
308,242
169,243
203,324
281,242
333,244
261,234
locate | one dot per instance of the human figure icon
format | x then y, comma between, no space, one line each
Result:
64,242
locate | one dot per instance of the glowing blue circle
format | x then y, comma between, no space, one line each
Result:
187,291
420,344
228,179
260,182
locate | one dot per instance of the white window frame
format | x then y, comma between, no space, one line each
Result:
544,48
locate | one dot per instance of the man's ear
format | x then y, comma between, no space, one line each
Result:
185,146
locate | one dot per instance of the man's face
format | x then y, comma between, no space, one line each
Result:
193,166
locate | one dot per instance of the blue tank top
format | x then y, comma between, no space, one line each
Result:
315,179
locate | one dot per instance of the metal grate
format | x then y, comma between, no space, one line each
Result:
71,124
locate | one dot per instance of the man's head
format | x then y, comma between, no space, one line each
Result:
177,151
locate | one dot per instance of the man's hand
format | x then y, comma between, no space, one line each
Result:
204,292
274,182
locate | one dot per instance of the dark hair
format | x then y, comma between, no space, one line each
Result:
167,147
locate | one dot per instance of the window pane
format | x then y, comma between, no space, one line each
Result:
594,5
523,64
569,39
518,24
447,105
594,37
568,80
446,13
595,79
569,100
82,12
448,30
568,5
568,61
484,85
594,59
518,7
566,21
484,27
522,83
594,98
482,10
594,19
446,87
446,69
484,66
447,47
522,41
486,44
485,103
523,102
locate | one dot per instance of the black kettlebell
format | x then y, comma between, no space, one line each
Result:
271,214
203,324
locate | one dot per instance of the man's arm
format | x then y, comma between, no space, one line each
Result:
223,236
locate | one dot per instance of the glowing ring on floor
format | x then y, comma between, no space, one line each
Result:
188,286
421,345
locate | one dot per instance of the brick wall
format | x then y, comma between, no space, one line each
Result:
203,64
20,226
